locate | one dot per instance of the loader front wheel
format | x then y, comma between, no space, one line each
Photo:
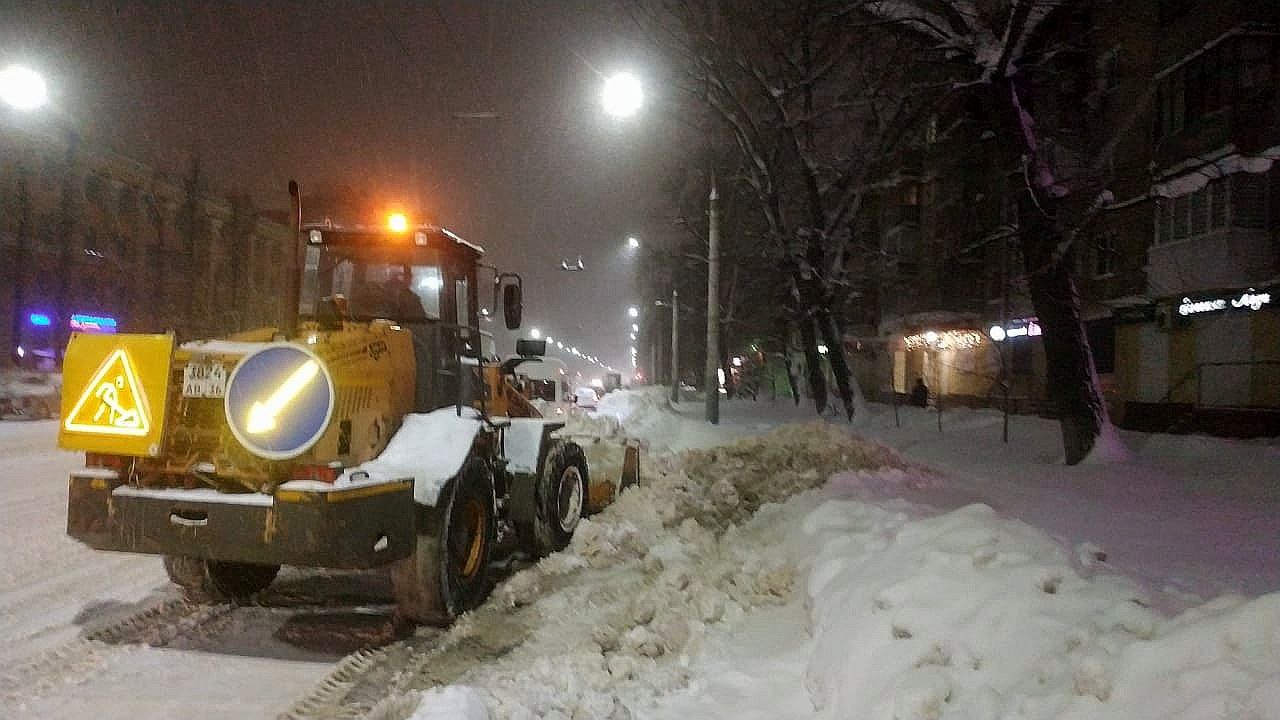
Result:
215,581
560,499
448,572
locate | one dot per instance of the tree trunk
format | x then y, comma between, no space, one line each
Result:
817,380
1072,379
791,376
839,363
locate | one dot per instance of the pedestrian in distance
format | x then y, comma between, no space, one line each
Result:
920,394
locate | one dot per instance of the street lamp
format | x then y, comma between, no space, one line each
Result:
633,243
622,95
22,88
633,311
675,342
535,333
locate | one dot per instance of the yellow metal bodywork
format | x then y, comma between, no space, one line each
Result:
115,393
501,398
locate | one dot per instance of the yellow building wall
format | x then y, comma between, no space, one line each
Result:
1128,354
1182,363
1264,389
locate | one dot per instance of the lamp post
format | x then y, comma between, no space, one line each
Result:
712,378
675,342
22,89
622,97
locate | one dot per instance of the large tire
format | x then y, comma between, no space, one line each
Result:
559,500
448,572
215,581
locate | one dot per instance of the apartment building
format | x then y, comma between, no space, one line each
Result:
1178,275
97,242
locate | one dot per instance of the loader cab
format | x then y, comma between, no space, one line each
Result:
420,278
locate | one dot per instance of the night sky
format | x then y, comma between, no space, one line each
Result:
369,95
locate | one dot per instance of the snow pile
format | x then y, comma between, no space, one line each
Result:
647,413
970,615
613,621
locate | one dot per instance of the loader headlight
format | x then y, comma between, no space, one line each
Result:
279,401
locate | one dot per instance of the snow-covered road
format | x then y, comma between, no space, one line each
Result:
55,593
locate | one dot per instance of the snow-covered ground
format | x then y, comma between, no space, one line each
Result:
774,566
974,580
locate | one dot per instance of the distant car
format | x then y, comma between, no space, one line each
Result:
586,397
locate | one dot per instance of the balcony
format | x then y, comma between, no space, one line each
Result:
1228,258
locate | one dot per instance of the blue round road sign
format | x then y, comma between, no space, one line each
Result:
279,401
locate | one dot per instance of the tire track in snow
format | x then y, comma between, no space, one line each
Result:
157,626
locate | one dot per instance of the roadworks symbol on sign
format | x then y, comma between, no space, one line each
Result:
113,402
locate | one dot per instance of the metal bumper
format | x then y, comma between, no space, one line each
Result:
353,528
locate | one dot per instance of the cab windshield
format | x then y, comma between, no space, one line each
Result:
376,283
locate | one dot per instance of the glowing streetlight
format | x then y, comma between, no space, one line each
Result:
633,243
550,340
397,222
535,333
622,96
633,311
22,88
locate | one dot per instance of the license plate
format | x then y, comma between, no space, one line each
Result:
204,380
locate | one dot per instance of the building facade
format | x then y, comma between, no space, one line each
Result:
95,241
1178,275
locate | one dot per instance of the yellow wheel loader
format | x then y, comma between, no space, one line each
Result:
369,431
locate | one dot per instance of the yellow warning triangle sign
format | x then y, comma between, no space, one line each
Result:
113,402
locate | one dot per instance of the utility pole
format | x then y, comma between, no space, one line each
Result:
711,382
675,345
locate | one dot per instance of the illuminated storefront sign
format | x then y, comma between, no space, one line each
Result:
1250,299
1022,327
39,320
944,340
93,323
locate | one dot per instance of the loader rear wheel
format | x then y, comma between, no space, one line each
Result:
448,572
560,498
214,581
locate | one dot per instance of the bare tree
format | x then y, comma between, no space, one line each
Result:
817,109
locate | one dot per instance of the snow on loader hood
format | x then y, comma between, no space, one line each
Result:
428,447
